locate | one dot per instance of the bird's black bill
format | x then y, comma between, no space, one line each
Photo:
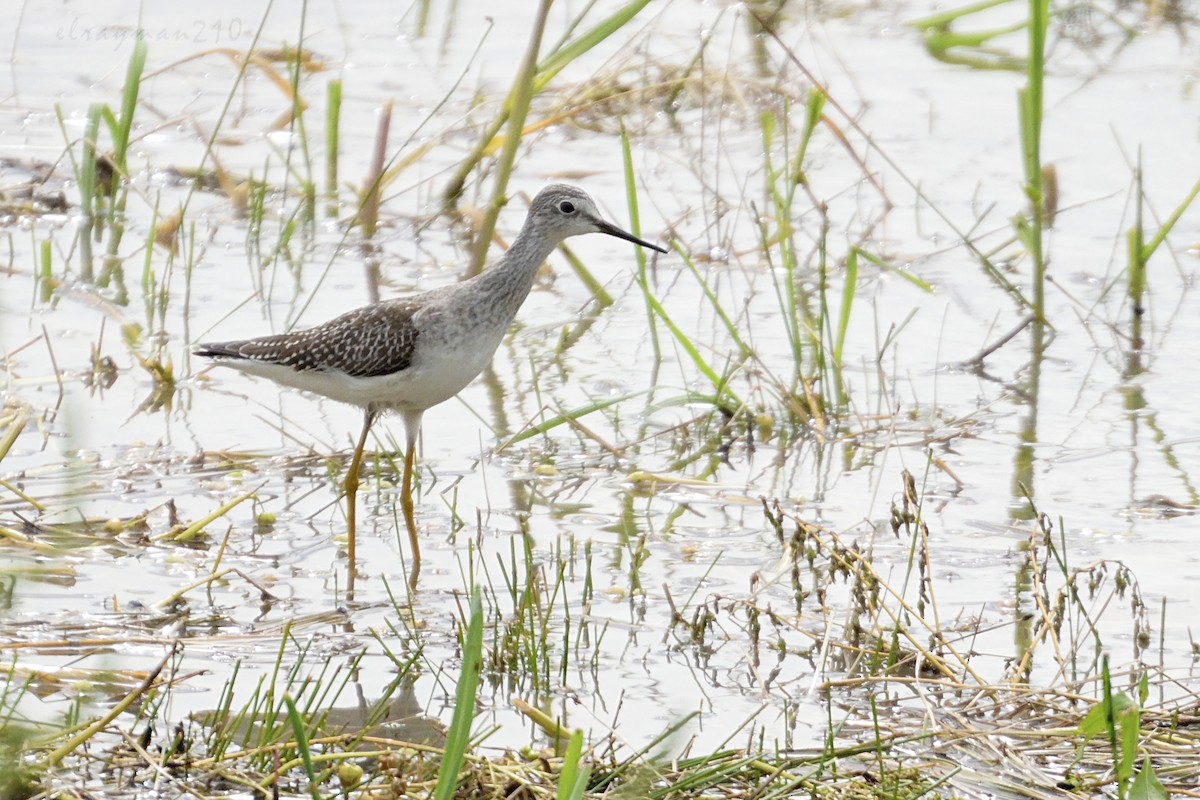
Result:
613,230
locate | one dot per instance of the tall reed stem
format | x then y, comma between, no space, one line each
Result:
1031,109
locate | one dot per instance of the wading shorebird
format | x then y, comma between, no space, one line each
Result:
409,354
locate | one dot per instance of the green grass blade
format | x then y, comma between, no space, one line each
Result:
562,56
1030,102
87,165
688,347
631,198
573,780
459,734
302,747
848,290
133,83
814,110
642,278
599,294
714,301
944,19
561,419
1149,247
897,271
333,113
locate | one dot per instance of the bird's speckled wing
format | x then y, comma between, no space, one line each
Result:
367,342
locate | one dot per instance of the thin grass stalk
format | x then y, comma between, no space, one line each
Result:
148,280
88,194
256,210
519,98
1031,231
849,290
589,583
670,104
326,688
1137,265
536,664
547,615
241,722
631,197
526,613
508,573
822,326
724,395
642,277
794,313
268,697
564,647
217,745
308,183
816,328
562,564
849,287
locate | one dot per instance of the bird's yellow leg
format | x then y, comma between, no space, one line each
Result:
406,505
350,487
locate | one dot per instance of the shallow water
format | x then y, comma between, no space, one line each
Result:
1114,432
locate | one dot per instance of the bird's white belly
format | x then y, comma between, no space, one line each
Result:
434,378
436,375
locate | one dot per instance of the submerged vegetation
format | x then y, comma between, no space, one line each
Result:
686,502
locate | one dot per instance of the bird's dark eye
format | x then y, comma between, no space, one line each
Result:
566,207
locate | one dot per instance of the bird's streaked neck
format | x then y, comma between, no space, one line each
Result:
506,283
